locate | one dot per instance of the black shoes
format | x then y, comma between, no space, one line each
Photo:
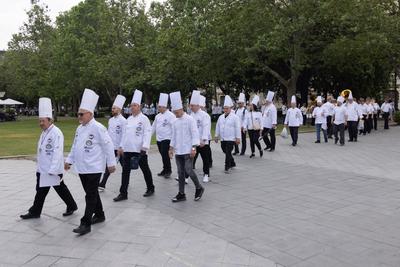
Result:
29,216
98,219
149,192
317,142
179,197
261,153
271,150
167,175
82,229
241,154
252,156
120,197
162,173
336,140
69,212
294,144
349,140
198,194
235,153
267,148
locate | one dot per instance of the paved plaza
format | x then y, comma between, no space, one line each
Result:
314,205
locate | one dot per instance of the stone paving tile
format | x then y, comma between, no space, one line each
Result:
312,205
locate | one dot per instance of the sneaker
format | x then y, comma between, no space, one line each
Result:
101,189
205,178
317,142
198,194
179,197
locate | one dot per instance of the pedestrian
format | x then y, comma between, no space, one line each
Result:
270,117
294,119
241,112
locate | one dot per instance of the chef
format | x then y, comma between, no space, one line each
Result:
353,113
135,143
319,113
92,150
386,109
185,139
50,160
270,117
241,112
162,127
228,130
116,127
339,120
294,119
203,123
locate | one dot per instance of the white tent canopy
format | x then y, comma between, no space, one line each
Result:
10,102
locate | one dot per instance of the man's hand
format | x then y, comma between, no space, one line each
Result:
120,152
237,141
216,139
67,166
273,126
202,144
193,153
171,152
142,152
111,169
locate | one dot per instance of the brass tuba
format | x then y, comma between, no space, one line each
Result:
345,93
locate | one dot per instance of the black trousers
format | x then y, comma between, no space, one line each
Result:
126,172
244,144
205,153
339,132
90,183
369,123
210,160
271,133
375,121
352,127
364,130
386,118
329,125
227,147
107,173
163,148
184,166
254,135
41,193
294,134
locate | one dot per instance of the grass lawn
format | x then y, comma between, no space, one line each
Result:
21,137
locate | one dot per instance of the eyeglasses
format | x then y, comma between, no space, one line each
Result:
81,114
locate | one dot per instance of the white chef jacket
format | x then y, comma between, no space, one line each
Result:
329,107
353,112
92,149
370,109
203,123
320,114
137,136
254,117
228,128
184,135
293,118
386,107
340,115
270,116
241,113
162,125
50,151
376,108
116,128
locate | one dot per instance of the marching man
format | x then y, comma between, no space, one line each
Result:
162,126
353,113
294,119
228,131
241,112
91,151
203,123
135,143
116,127
185,139
339,120
319,113
50,160
270,116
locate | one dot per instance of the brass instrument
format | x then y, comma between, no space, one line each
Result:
345,93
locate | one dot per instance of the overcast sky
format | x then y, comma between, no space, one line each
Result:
13,14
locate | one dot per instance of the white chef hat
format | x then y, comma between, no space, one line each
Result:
340,99
350,96
89,100
176,100
137,97
195,99
255,100
293,100
119,101
270,96
45,108
163,100
228,101
202,101
242,98
319,99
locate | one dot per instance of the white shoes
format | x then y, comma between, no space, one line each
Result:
206,178
101,189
